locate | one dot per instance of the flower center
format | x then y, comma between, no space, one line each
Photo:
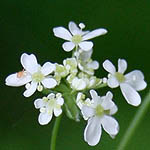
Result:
120,77
99,110
52,103
37,77
76,39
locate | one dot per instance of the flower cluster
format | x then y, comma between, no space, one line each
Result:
67,85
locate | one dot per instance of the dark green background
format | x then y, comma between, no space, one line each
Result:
26,26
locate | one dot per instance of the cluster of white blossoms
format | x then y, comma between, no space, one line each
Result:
66,86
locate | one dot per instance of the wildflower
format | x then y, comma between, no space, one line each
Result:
77,37
85,63
78,84
129,83
33,76
99,115
71,65
60,72
49,105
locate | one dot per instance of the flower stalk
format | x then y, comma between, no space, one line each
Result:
55,132
135,122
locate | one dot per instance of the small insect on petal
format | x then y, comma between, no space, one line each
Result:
21,74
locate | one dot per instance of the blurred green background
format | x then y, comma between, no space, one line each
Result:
26,26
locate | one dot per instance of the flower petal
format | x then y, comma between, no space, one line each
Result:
136,80
49,83
93,94
86,45
93,131
78,84
30,90
110,125
47,68
112,82
94,33
107,103
94,65
85,55
68,46
113,110
87,111
29,62
109,67
13,80
95,98
60,101
74,28
57,112
130,94
44,118
38,103
63,33
122,65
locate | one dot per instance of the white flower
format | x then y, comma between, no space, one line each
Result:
33,75
71,65
129,83
85,63
77,37
78,84
99,115
49,105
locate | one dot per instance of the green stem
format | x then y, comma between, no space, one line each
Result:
54,132
101,86
135,122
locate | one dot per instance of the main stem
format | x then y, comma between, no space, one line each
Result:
54,132
135,122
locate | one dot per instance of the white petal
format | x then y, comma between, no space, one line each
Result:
95,98
112,82
130,94
108,66
49,83
74,28
60,101
94,65
107,103
68,46
87,111
30,90
109,95
86,46
85,55
94,34
63,33
78,84
110,125
93,94
51,96
122,65
29,62
13,80
47,68
44,118
113,110
93,131
136,80
38,103
57,112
